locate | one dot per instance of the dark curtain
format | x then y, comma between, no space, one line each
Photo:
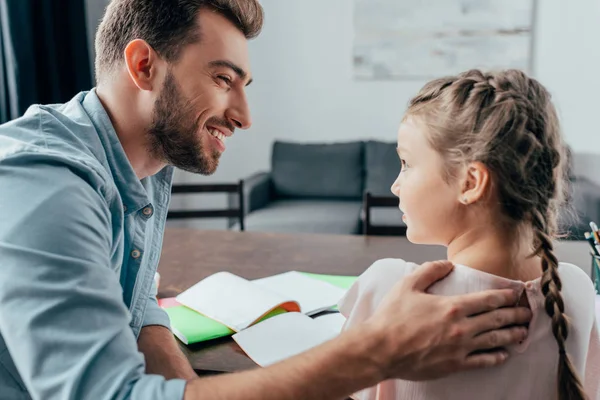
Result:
44,55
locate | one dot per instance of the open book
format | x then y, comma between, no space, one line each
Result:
286,335
223,303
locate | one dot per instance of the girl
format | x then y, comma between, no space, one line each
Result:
482,173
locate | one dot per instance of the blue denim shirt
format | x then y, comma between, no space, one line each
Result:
80,240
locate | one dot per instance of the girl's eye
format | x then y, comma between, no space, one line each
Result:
404,164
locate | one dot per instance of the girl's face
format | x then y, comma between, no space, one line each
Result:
431,206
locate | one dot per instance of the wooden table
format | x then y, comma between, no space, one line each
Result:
191,255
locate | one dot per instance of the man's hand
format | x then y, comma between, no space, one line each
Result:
425,336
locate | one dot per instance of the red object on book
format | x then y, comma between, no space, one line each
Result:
168,302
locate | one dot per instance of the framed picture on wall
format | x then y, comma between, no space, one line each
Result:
408,39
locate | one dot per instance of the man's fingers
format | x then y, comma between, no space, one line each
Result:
498,338
484,360
481,302
427,274
500,318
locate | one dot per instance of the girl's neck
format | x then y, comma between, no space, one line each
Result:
488,250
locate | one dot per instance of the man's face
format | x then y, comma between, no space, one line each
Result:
202,99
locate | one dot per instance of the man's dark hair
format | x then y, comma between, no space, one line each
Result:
166,25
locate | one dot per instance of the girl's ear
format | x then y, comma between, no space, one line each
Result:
475,184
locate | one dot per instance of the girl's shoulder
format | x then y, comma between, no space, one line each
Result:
572,275
390,267
383,274
373,284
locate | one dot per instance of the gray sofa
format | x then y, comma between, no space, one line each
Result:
319,187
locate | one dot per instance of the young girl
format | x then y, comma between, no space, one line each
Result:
482,173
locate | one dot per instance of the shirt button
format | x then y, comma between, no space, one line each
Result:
136,253
124,208
529,285
147,211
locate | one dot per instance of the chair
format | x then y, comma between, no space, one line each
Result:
371,201
229,188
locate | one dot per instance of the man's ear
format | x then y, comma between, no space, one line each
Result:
142,64
476,183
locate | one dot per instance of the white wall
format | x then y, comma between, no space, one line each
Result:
568,63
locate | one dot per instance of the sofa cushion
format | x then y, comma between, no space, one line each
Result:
382,166
317,170
307,216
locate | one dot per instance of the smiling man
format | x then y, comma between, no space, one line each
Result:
85,189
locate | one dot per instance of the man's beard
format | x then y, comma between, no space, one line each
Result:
173,135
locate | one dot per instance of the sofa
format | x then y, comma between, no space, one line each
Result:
319,188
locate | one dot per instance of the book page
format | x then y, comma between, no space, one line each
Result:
333,321
313,295
233,301
281,337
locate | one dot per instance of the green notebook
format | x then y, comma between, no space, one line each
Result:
192,327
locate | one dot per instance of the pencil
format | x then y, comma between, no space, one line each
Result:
596,237
594,246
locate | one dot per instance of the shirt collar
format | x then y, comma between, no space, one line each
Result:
130,188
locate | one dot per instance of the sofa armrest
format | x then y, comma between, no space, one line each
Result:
257,192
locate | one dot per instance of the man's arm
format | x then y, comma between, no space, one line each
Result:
156,342
334,370
412,336
163,356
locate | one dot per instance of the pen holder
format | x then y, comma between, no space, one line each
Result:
596,272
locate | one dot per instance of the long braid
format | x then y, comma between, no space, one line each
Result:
569,385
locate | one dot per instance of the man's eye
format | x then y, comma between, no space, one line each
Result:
225,79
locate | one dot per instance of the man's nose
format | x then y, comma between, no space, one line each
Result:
239,113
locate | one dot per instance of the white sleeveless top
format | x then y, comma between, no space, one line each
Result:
530,373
